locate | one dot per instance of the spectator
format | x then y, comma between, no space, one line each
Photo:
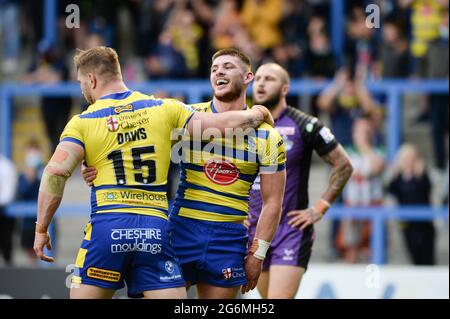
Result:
361,45
262,20
411,186
364,189
445,191
10,33
438,68
186,33
291,53
28,190
205,17
8,180
50,68
228,31
345,100
425,21
165,61
320,58
394,53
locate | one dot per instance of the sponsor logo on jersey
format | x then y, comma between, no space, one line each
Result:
169,267
169,271
136,239
126,108
103,274
221,172
110,196
112,123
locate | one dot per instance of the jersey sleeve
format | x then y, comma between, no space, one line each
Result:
274,154
73,132
179,113
319,137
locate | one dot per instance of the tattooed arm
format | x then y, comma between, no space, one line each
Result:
251,118
341,170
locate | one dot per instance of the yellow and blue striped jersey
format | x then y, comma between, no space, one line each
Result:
126,137
216,175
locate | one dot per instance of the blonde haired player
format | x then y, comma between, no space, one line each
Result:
212,197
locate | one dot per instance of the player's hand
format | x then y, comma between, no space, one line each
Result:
246,223
268,118
42,240
253,268
303,218
89,173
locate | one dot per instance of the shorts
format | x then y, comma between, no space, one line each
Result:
210,252
123,248
290,246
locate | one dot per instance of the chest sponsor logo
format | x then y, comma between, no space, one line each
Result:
221,172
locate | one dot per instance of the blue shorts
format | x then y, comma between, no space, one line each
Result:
210,252
129,248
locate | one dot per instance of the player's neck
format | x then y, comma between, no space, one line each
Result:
236,105
112,88
277,110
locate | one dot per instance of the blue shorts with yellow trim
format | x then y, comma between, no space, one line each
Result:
210,252
121,248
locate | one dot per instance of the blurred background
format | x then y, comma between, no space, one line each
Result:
352,63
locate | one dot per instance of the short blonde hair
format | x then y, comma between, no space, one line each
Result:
236,53
403,152
104,61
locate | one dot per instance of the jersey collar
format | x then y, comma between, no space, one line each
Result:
281,115
213,108
117,96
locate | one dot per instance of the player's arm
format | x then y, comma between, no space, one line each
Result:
341,170
251,118
60,167
272,193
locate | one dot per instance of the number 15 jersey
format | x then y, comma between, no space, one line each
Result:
127,138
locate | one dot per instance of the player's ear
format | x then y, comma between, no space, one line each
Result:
249,76
285,90
92,80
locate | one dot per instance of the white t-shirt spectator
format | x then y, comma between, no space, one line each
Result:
8,181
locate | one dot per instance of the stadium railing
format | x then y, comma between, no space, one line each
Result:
378,216
196,90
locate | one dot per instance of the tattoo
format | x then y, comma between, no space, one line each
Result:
252,122
340,173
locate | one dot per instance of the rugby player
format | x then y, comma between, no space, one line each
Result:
290,251
206,221
126,136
